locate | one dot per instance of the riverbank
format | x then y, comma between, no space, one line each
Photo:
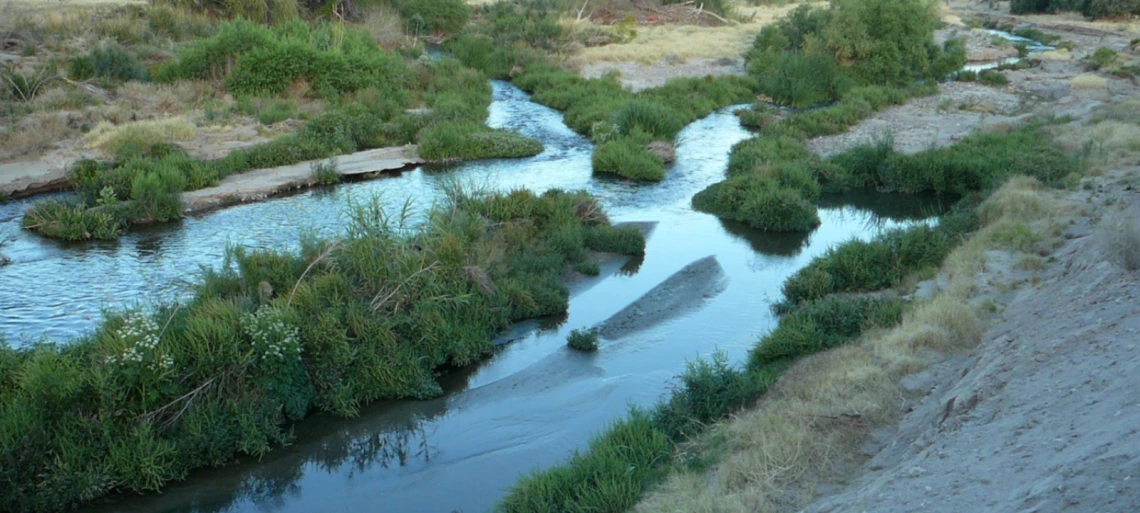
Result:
986,397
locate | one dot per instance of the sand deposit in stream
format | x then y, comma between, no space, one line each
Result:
684,291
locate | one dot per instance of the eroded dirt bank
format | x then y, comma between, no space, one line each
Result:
1043,416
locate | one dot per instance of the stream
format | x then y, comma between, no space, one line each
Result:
528,406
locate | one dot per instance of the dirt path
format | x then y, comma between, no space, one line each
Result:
261,184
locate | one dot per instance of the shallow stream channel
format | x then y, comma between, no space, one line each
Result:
528,406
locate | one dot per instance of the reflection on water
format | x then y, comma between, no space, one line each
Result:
527,407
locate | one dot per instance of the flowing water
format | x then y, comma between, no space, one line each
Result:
526,407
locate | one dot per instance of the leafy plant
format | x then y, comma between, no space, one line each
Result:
583,340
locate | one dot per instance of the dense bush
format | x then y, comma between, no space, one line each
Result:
271,336
257,60
109,61
1097,9
583,340
762,203
797,60
992,78
1093,9
441,17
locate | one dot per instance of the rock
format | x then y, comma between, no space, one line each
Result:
4,260
663,151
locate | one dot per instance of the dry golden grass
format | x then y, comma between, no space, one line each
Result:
1111,140
148,99
1119,236
37,134
110,138
685,42
386,26
1086,81
808,427
1056,55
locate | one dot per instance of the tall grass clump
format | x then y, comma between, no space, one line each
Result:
626,157
865,266
821,324
470,141
583,340
272,336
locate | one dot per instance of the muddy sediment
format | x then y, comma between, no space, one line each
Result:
684,291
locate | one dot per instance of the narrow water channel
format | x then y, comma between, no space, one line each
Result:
527,407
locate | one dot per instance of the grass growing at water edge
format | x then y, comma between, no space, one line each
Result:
272,336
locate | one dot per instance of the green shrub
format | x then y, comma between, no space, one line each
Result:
762,203
1104,58
441,17
818,325
625,240
325,172
642,116
626,157
799,79
584,340
1028,6
109,61
992,78
1096,9
73,221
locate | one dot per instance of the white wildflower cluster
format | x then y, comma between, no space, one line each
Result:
272,337
140,333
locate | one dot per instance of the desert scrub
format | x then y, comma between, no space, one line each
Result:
272,336
992,78
583,340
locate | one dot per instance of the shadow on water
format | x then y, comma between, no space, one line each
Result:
889,206
772,244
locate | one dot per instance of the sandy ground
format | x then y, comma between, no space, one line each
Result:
686,290
261,184
1050,89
